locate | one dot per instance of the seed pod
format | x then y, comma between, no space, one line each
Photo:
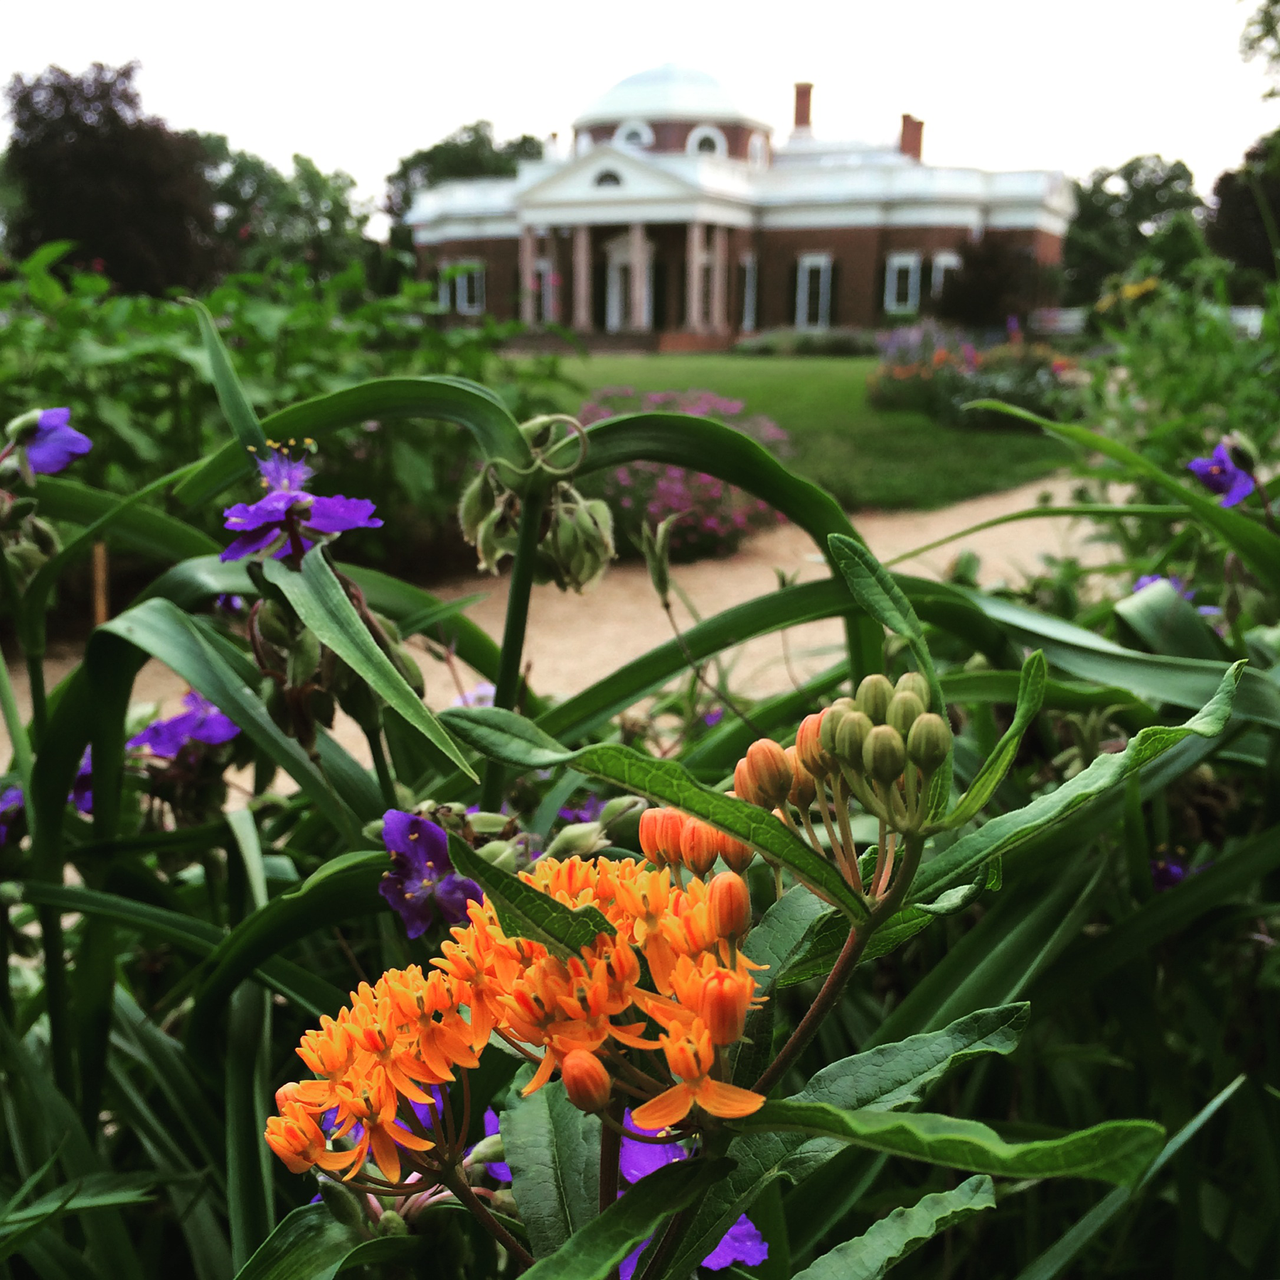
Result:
803,787
914,682
873,697
929,743
850,738
699,846
812,754
585,1081
904,710
883,754
730,902
767,776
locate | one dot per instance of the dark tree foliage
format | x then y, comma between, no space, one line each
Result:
469,152
1116,215
1246,200
262,215
92,168
995,280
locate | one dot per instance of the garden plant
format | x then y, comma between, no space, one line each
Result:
954,960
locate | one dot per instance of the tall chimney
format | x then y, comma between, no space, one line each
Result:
912,136
803,94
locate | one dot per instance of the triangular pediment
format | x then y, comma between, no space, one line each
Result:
579,181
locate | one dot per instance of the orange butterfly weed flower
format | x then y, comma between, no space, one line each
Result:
296,1138
372,1103
691,1056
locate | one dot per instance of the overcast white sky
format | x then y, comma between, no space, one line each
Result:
1000,84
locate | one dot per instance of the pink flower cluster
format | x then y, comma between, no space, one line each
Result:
714,516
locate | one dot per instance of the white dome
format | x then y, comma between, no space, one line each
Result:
665,93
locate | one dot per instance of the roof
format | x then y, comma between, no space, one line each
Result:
665,93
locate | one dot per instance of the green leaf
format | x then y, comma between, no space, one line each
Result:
1255,545
1008,831
1166,623
526,912
554,1153
310,1244
250,1204
1064,1251
504,735
892,1075
442,398
592,1252
324,607
671,783
1117,1151
94,1191
998,763
235,404
300,987
902,1232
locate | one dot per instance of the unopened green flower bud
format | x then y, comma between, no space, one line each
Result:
481,822
578,839
904,710
873,697
44,536
488,551
304,658
883,754
341,1202
850,738
476,503
502,1201
914,682
402,656
392,1224
621,807
499,853
487,1150
274,624
929,743
829,728
372,831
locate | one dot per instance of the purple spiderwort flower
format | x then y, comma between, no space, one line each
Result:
479,696
422,878
713,717
1220,474
1148,579
82,787
45,442
741,1243
200,722
11,808
591,809
287,519
497,1169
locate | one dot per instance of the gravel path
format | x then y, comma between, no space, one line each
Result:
575,640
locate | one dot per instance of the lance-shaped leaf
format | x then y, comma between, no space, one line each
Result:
324,607
960,863
902,1232
504,735
998,763
235,404
592,1252
554,1153
1116,1151
526,912
889,1076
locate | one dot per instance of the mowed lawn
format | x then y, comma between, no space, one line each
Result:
866,457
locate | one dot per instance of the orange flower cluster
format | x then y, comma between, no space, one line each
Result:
412,1029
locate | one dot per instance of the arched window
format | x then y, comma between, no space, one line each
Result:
707,140
633,134
607,178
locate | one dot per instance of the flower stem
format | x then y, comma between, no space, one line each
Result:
386,782
462,1189
22,757
507,685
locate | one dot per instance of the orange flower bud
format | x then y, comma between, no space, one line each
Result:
726,996
766,778
585,1080
803,787
812,754
737,856
730,903
671,833
650,822
699,846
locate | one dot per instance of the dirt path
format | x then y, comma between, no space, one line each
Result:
575,640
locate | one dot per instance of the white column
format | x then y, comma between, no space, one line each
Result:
720,280
526,275
639,256
582,279
553,285
693,256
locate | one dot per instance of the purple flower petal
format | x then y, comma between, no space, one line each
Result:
639,1159
11,806
82,787
1220,474
283,473
498,1169
741,1243
201,722
248,544
421,876
270,509
54,443
338,514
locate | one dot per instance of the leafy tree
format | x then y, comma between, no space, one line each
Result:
1261,38
1116,215
262,215
1242,227
92,168
469,152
